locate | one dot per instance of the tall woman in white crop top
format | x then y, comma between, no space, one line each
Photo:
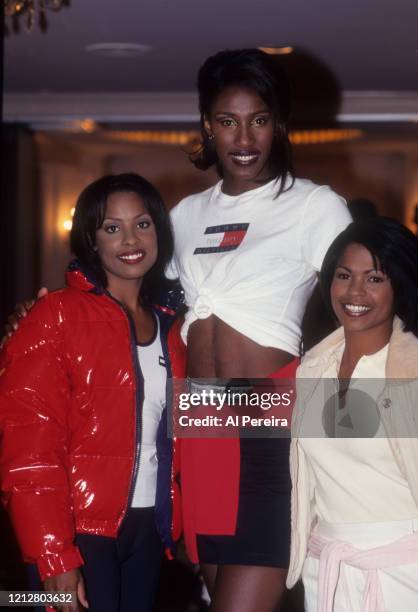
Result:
354,456
247,252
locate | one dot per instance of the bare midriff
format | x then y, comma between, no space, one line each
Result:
216,350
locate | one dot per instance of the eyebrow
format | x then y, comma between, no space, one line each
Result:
259,112
118,219
365,271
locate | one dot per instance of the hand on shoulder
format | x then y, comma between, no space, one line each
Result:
20,311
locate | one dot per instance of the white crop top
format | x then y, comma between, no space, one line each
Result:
252,259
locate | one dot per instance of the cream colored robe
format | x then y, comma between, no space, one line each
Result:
398,408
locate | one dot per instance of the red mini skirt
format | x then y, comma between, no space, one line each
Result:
236,497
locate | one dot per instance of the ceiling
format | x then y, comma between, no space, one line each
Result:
367,45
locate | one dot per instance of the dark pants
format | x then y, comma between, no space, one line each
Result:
121,575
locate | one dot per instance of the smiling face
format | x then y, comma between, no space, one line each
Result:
243,129
126,242
361,296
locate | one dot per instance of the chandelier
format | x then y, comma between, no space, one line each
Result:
30,11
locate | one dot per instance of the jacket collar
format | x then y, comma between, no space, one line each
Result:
82,278
402,361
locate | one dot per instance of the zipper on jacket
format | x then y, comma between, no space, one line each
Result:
139,395
139,403
163,332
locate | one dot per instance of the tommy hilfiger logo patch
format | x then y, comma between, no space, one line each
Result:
222,238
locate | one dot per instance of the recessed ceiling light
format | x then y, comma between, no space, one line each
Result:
277,50
118,49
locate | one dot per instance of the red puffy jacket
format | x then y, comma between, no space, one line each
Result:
70,414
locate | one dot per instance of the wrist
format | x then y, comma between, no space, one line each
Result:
52,564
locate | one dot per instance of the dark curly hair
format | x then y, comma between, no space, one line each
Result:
394,249
89,216
260,72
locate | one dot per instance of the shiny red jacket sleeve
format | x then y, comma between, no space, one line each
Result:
35,400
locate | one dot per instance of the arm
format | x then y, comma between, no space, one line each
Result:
171,271
326,215
34,404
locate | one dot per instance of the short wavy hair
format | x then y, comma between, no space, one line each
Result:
257,71
89,215
394,249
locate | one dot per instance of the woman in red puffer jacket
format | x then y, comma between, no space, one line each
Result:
86,464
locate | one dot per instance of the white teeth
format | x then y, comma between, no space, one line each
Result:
131,257
356,308
244,158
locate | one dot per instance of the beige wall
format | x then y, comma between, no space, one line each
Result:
365,170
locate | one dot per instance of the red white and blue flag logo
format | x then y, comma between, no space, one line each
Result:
223,238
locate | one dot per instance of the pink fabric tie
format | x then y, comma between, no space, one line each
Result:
331,553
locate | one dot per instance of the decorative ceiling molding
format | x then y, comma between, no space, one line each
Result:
70,110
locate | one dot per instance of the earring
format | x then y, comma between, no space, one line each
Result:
211,137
